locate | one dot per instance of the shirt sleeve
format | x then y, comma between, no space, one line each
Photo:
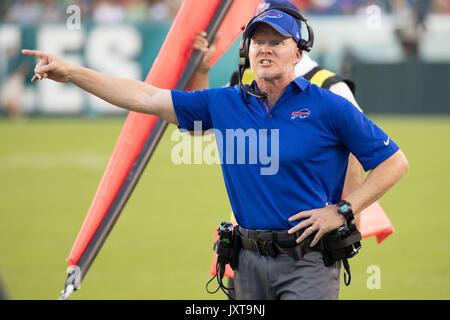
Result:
342,89
364,139
192,109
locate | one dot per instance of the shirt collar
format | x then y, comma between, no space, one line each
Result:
301,83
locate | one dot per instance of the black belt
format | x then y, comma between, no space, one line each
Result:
272,243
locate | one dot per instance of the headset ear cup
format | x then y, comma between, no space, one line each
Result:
302,45
247,49
241,48
309,44
243,52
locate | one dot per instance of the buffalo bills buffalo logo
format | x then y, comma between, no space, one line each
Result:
300,114
274,15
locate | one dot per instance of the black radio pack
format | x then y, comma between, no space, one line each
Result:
341,244
227,250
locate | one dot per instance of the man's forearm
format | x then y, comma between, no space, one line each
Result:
354,176
201,80
129,94
378,182
353,180
124,93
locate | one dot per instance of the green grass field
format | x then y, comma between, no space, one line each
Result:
161,245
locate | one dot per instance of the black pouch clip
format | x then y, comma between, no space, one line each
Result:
341,244
227,246
227,249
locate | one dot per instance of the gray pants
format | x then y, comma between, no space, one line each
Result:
285,278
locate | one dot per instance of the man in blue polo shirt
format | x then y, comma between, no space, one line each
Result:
284,157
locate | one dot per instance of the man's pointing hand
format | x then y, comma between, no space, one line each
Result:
49,66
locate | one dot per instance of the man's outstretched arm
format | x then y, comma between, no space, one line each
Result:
129,94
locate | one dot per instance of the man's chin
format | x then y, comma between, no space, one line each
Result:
269,76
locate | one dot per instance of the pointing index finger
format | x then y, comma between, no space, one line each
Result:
34,53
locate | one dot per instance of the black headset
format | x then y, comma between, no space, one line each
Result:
244,45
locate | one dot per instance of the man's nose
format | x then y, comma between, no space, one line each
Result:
265,48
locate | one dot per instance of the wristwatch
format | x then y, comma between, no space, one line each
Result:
345,208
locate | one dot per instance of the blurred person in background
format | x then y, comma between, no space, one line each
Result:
53,11
11,92
409,17
159,11
13,86
24,12
325,7
4,6
441,6
348,6
164,10
108,11
136,10
174,5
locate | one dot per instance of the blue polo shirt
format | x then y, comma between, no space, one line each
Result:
288,158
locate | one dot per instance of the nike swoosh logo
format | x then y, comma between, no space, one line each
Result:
387,141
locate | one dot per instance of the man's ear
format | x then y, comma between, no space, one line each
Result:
298,55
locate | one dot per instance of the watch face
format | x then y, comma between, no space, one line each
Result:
344,207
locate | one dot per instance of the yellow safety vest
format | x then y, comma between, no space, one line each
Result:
318,76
